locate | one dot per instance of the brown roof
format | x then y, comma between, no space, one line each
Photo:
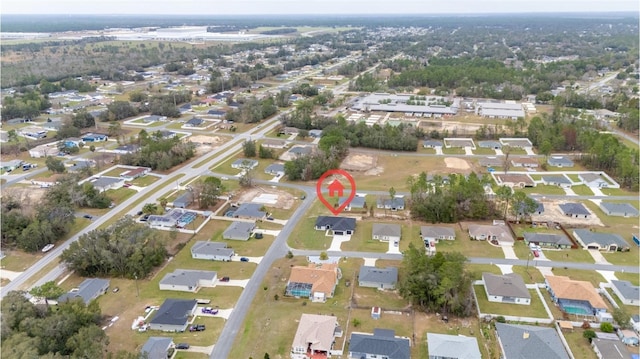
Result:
515,178
525,160
135,171
323,278
567,288
315,332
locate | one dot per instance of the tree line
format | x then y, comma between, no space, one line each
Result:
253,110
27,105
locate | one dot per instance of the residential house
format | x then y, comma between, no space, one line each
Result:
45,150
72,142
628,293
394,204
575,296
539,209
95,137
165,135
173,315
270,143
557,180
103,184
188,280
437,233
383,343
386,232
315,336
300,150
250,211
494,145
313,282
215,251
88,290
216,113
194,122
635,322
275,169
490,161
444,346
183,200
594,180
244,164
80,166
126,149
601,241
529,342
527,162
516,142
357,203
315,133
153,118
11,165
156,348
559,161
381,278
575,210
135,173
497,234
548,240
508,288
619,209
239,231
432,143
336,225
519,180
610,349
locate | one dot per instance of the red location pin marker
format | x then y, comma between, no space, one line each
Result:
335,189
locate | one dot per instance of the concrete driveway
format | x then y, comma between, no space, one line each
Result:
233,283
393,248
508,252
10,275
267,231
197,349
237,257
597,256
222,313
278,221
337,242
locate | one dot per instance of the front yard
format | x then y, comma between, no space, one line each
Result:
534,310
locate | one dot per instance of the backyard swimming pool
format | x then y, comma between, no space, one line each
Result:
574,309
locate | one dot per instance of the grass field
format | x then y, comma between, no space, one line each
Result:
362,240
453,150
582,190
534,310
630,309
544,189
144,180
189,355
484,151
121,194
634,278
530,275
580,346
470,248
569,255
476,270
251,248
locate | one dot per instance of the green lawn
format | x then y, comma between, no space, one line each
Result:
534,310
453,150
189,355
251,248
530,275
144,180
476,270
634,278
484,151
120,195
580,347
618,192
522,250
569,255
584,275
305,236
574,177
115,172
544,189
470,248
372,297
555,311
18,261
362,241
630,309
582,190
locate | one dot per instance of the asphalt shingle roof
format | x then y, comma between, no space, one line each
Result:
530,342
382,343
387,275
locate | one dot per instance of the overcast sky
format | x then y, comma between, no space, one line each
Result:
252,7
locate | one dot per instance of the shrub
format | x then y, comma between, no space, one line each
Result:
589,334
606,327
500,319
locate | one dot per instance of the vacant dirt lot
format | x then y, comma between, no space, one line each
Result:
360,162
205,143
27,196
285,199
457,163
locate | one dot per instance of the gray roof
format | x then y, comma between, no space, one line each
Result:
508,285
103,182
530,342
490,161
184,199
590,177
574,208
516,142
611,349
336,223
502,112
386,229
393,203
603,239
452,346
383,342
628,290
356,202
189,278
387,275
432,143
194,121
490,144
174,312
239,230
622,208
274,168
557,179
87,290
301,150
560,161
244,163
156,347
551,238
436,231
251,210
211,248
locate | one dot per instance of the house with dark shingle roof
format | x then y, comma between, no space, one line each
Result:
394,204
432,143
628,293
508,288
156,348
494,145
337,225
381,278
383,343
452,346
357,203
250,211
548,240
593,180
239,231
610,349
173,315
601,241
529,342
575,210
275,169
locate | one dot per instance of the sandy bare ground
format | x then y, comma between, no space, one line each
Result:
457,163
205,143
285,199
27,196
552,213
359,162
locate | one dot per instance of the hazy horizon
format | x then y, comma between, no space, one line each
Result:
312,7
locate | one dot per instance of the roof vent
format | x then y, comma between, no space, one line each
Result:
525,335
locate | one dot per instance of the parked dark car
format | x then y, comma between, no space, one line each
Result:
258,235
182,346
145,218
224,279
197,328
87,216
140,213
244,259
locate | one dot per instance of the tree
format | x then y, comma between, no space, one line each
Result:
324,256
589,334
621,317
249,148
207,191
150,208
506,163
246,179
522,205
606,327
505,194
92,148
54,164
12,136
49,290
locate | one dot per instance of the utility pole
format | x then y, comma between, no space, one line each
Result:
137,289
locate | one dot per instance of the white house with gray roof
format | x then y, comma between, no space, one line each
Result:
383,343
593,180
494,145
601,241
214,251
381,278
452,347
619,209
559,161
275,169
250,211
628,293
530,342
574,210
498,234
156,348
508,288
557,180
386,232
432,143
239,231
548,240
357,203
244,164
437,233
106,183
185,280
87,291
